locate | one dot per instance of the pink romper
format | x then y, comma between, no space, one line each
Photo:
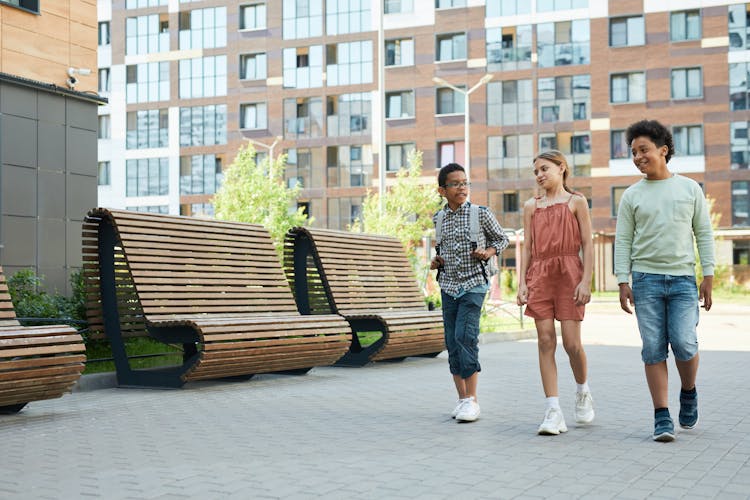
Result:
556,268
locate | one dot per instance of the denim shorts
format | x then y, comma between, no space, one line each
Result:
461,322
666,307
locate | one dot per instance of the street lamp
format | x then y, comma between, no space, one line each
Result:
266,146
486,78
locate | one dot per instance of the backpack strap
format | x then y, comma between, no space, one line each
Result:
474,225
439,228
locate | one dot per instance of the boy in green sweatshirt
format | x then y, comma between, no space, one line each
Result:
656,221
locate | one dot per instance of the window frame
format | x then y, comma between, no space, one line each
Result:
626,20
244,106
441,37
687,71
241,17
686,13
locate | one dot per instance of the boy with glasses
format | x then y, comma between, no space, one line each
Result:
464,277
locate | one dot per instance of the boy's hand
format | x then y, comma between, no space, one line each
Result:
704,292
626,297
582,294
437,262
484,253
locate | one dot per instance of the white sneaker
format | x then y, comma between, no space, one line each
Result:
584,412
457,409
554,423
469,411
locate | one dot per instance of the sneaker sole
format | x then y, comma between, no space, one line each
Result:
466,420
551,432
587,420
664,437
685,426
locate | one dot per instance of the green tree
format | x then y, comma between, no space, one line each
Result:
408,209
258,194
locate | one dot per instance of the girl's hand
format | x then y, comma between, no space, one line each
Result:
582,294
523,294
437,262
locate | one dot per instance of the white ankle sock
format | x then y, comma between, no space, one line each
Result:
553,402
584,387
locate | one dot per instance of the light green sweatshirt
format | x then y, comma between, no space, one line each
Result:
656,222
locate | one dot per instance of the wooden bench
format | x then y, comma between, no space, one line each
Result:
216,288
36,362
367,279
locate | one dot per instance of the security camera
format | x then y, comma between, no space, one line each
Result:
72,80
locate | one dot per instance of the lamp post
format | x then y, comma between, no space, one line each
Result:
266,146
381,98
486,78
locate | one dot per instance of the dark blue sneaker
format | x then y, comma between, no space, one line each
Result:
663,428
688,409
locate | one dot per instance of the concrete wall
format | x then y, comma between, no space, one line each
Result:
48,178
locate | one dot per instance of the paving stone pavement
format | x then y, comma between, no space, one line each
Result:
384,431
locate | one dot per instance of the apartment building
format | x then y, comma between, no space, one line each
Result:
48,141
190,81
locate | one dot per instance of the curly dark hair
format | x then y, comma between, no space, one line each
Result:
658,133
447,169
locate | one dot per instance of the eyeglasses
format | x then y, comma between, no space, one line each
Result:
456,185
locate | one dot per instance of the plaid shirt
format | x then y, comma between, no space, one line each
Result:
461,271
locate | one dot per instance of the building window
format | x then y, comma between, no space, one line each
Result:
741,252
451,47
104,82
397,156
203,125
685,25
741,203
628,87
197,209
738,86
253,17
687,83
200,174
554,5
450,152
563,43
618,148
688,140
510,156
302,18
510,102
398,6
349,114
739,145
203,77
349,63
449,101
253,66
147,34
627,31
203,28
564,98
147,82
399,52
399,104
142,4
253,116
509,48
303,67
739,22
152,209
103,177
617,192
147,129
576,146
303,117
510,202
349,166
342,212
104,34
147,177
449,4
497,8
304,167
347,17
30,5
105,126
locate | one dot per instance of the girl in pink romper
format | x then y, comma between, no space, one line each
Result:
554,282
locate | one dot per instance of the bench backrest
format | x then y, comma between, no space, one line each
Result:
364,272
183,266
7,313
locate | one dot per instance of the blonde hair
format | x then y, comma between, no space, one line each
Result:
558,159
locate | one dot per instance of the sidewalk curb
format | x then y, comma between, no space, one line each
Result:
95,381
490,337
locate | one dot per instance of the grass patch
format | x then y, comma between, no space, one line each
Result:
366,339
155,355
